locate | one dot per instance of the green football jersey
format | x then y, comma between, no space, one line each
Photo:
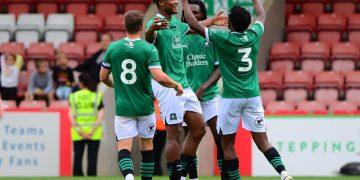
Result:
238,52
130,61
169,45
200,61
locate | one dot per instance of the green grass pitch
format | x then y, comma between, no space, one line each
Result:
201,178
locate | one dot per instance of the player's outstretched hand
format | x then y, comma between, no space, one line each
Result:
220,19
159,24
179,90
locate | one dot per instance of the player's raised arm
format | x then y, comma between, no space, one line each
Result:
191,20
157,24
163,79
260,12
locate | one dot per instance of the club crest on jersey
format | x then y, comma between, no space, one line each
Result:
151,128
130,44
244,38
259,123
173,116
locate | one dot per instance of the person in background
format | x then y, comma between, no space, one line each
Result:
1,109
63,77
93,64
40,83
87,114
9,78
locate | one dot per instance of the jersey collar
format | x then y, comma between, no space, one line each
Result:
137,39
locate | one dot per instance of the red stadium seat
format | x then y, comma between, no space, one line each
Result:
13,47
77,7
352,86
344,57
313,107
352,79
73,51
330,27
354,28
92,49
18,7
9,104
270,80
313,56
344,7
289,9
300,27
280,107
59,105
24,77
135,6
106,8
328,86
115,23
47,7
268,95
283,56
86,37
297,84
40,51
313,7
89,22
117,35
343,107
37,104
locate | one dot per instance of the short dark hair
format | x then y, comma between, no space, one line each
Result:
202,9
88,82
133,21
239,18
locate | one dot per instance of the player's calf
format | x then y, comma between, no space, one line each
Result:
172,150
125,164
147,161
271,154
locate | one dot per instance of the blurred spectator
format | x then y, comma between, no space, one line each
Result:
9,78
92,65
19,63
40,83
63,77
1,109
86,119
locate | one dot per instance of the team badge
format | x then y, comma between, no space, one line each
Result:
151,128
173,116
259,123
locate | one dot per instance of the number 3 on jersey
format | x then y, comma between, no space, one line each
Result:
126,70
245,58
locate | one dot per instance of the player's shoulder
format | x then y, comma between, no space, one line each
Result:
218,32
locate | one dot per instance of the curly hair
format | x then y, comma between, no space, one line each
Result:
240,18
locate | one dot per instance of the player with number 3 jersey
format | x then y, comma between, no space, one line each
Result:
238,50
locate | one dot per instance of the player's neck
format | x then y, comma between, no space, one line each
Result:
134,36
163,13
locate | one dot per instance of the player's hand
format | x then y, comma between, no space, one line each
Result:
179,90
159,24
199,93
220,19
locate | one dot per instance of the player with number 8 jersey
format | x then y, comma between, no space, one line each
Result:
133,58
